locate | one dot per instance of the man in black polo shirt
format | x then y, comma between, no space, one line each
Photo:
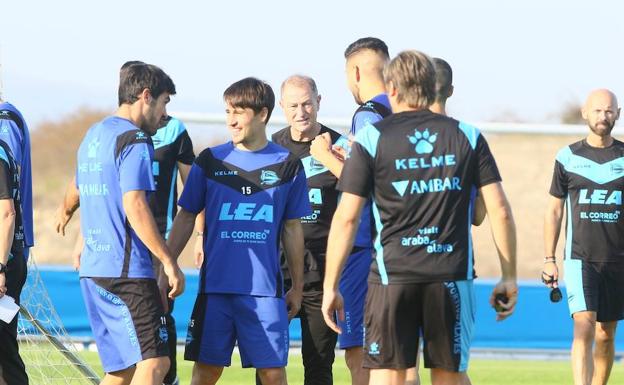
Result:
310,141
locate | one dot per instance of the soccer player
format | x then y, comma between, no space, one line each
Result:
310,141
589,179
421,169
14,132
365,60
12,264
113,175
253,193
444,90
173,153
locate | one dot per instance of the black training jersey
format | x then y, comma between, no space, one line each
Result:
172,144
422,170
591,181
10,189
322,194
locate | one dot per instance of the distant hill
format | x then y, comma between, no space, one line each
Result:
54,145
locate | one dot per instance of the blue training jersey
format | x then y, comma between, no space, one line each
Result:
114,157
247,196
370,112
14,132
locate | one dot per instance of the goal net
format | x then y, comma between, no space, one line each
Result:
48,353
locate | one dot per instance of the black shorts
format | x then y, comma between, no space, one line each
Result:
396,316
12,367
127,319
597,287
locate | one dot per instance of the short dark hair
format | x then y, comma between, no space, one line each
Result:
130,63
371,43
251,93
137,76
444,78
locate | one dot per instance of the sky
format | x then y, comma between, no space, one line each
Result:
518,60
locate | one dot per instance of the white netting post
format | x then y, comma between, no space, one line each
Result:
48,353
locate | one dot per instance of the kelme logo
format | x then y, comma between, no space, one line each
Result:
423,141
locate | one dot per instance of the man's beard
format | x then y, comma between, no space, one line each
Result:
602,128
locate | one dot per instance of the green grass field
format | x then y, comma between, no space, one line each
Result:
482,372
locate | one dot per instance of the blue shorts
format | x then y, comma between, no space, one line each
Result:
127,319
353,287
258,324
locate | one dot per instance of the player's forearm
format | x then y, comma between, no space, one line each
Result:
504,232
293,243
181,231
200,222
332,163
503,227
71,201
339,244
142,222
479,211
184,170
7,228
552,228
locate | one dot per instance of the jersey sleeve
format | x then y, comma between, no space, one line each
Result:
559,184
342,142
298,203
5,179
135,152
184,145
362,118
193,198
12,135
487,170
357,174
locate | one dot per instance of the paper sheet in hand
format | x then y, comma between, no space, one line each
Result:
8,308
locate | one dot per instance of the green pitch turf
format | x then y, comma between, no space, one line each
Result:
482,372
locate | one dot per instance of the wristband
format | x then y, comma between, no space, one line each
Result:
199,233
552,259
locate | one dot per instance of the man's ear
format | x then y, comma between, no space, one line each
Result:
264,112
146,96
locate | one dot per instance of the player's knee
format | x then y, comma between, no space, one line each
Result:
445,377
272,376
412,377
206,374
584,326
353,358
159,365
605,335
